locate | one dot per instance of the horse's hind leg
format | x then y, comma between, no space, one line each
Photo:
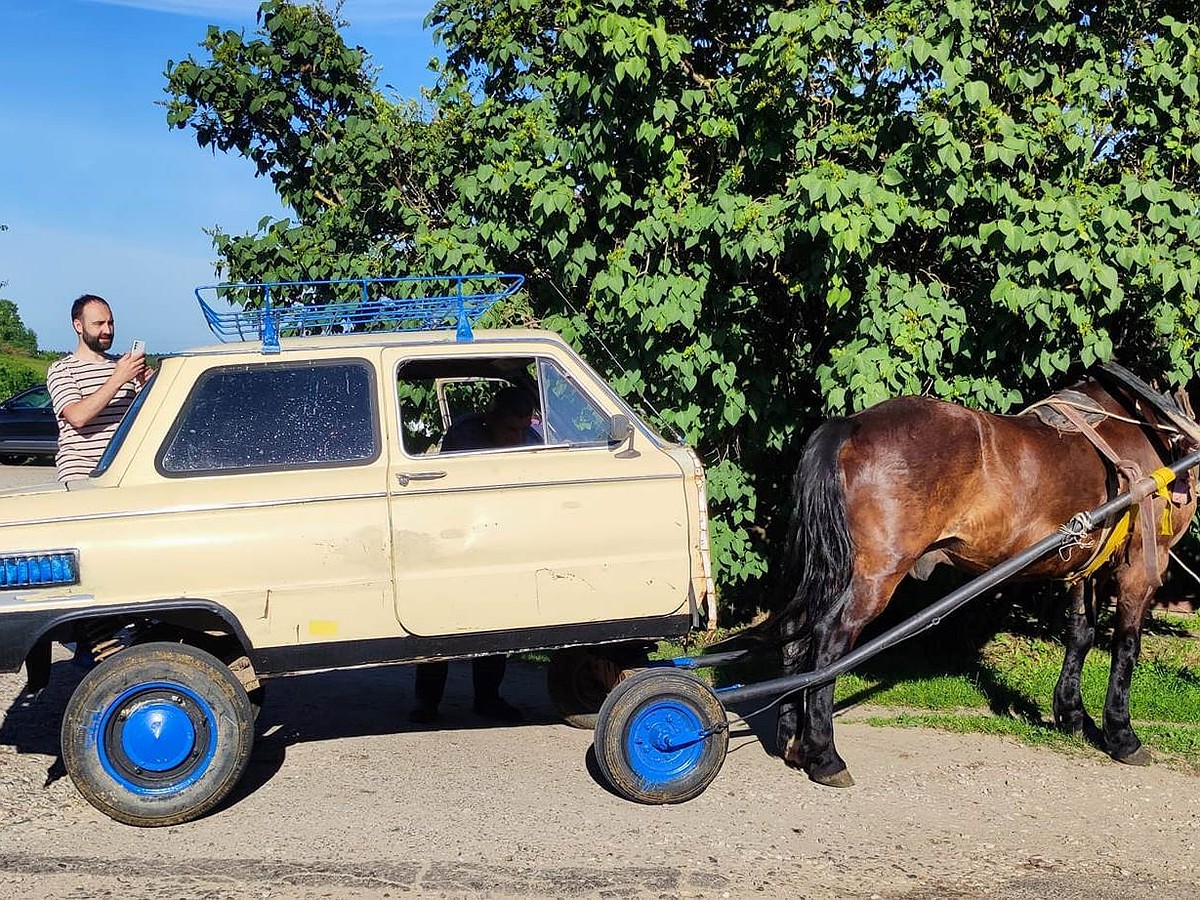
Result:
1069,714
1134,600
795,652
813,749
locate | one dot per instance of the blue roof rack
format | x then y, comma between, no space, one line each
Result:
269,310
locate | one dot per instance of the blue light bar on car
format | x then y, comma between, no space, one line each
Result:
39,569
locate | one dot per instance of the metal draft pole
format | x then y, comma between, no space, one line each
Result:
932,615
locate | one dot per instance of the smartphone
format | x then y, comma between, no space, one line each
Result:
138,348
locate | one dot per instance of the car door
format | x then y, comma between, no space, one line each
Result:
570,530
27,422
275,474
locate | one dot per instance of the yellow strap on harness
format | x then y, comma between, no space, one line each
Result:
1115,539
1163,478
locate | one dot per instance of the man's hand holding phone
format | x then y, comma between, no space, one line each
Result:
133,364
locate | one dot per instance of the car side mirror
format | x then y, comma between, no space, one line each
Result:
620,430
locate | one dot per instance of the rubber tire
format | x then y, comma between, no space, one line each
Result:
578,680
229,715
662,695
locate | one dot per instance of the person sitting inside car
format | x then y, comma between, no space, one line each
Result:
508,422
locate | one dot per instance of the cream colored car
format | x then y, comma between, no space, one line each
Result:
262,515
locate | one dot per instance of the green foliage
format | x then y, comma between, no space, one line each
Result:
21,365
13,333
18,371
770,215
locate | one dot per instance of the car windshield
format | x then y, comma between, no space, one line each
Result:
118,437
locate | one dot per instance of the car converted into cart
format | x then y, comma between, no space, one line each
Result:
279,504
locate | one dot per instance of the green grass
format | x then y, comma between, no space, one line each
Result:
944,692
1026,732
1007,687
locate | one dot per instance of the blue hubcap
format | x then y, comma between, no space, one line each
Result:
158,736
665,741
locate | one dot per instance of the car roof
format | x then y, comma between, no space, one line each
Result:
374,339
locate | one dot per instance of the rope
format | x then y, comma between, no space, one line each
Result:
591,333
1075,534
1163,478
1182,566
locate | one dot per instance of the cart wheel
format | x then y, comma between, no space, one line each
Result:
661,737
579,678
158,734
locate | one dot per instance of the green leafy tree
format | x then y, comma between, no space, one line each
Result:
18,346
20,372
769,214
14,334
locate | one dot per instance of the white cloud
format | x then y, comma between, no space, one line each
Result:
358,12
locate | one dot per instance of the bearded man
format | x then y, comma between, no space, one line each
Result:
90,389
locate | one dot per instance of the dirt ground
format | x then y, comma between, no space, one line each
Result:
345,798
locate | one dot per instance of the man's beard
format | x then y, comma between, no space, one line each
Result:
97,342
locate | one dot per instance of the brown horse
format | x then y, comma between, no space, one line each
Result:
914,481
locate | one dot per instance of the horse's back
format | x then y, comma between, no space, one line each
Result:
920,472
927,445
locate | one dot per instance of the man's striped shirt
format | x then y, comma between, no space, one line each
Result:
69,380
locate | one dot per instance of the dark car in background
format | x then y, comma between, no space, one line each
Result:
27,426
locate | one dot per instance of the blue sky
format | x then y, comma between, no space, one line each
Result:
98,194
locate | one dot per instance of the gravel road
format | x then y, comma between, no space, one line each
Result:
345,798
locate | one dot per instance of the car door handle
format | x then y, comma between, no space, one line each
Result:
405,477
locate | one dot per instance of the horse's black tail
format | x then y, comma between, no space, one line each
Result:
819,559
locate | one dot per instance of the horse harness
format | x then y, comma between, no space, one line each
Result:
1073,411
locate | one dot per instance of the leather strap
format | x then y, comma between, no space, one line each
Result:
1132,473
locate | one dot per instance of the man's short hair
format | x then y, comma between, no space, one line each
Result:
83,300
513,401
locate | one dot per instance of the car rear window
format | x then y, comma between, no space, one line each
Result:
273,417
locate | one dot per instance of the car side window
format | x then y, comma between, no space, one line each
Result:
272,417
570,415
461,405
36,398
475,404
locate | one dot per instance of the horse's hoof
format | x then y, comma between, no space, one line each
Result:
840,779
1139,757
